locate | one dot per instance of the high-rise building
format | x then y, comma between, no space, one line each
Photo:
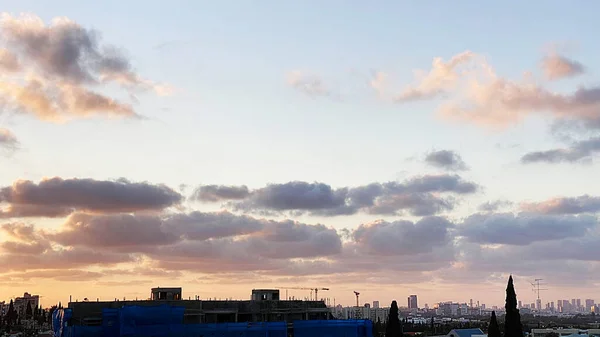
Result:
520,305
589,304
471,303
412,302
538,304
375,304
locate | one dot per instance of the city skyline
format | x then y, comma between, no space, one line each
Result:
234,145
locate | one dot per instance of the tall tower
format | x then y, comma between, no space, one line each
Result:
413,302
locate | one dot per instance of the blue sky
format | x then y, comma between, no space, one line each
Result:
233,119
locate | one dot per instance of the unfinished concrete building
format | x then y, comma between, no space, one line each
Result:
265,306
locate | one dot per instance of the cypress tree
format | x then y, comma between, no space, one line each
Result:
493,328
28,311
512,321
393,327
11,315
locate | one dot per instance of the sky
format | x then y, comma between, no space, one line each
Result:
391,148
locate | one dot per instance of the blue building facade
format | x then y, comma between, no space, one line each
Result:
167,321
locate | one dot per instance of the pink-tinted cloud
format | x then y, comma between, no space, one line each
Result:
474,93
68,275
557,67
443,76
59,64
55,103
31,211
61,258
498,102
565,205
9,61
124,232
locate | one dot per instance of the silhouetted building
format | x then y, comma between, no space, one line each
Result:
412,302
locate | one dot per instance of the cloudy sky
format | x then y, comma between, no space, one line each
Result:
390,148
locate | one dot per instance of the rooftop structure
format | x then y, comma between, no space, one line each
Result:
265,295
265,306
165,294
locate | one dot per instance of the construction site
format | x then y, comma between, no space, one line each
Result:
265,305
165,313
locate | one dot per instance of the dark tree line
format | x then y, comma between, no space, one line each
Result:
13,319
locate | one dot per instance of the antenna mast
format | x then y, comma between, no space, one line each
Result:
536,286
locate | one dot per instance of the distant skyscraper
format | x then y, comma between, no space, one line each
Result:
538,304
471,303
589,304
375,304
520,304
579,304
412,302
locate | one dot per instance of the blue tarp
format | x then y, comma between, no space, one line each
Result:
146,321
333,328
167,321
59,322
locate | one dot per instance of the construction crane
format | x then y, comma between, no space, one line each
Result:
357,313
316,290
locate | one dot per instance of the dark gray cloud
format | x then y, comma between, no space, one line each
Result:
578,151
404,237
88,195
523,229
298,195
65,50
439,184
204,226
446,159
565,205
419,196
214,193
